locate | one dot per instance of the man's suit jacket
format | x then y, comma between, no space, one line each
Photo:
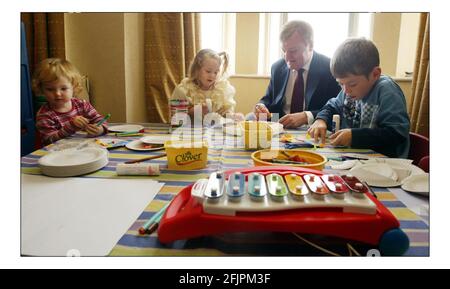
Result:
320,85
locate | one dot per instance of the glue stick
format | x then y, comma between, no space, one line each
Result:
335,126
137,169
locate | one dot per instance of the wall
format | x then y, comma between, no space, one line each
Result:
247,29
94,43
108,47
134,68
407,45
249,89
386,34
395,35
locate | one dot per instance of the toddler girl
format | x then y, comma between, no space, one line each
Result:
207,86
63,115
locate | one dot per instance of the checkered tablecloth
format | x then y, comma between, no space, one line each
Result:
227,152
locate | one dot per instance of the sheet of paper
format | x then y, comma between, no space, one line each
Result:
79,216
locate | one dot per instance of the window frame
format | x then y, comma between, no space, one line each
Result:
264,64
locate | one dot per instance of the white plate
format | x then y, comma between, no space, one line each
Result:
72,157
137,145
111,142
419,184
73,162
155,139
376,174
345,165
385,172
403,167
125,128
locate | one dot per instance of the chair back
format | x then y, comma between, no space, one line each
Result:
419,147
27,125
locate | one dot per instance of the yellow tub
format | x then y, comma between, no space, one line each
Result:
315,160
257,134
186,155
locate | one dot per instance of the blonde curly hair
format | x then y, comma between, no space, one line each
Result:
52,69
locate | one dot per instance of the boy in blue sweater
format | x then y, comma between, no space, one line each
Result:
371,106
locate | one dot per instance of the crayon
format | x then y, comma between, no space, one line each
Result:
153,219
104,119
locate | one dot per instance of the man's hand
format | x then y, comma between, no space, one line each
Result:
294,120
318,130
261,109
80,122
342,137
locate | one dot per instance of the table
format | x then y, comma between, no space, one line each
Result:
226,152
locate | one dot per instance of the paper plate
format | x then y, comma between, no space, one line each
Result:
403,167
419,184
125,128
137,145
73,162
111,142
345,165
376,174
156,139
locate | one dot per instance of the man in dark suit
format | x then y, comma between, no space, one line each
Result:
300,83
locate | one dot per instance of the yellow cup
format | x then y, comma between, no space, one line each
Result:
186,155
257,134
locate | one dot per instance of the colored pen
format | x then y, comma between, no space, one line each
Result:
104,119
154,226
130,134
145,227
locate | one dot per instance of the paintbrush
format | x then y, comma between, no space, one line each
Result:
146,159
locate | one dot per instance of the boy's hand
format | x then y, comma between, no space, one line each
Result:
260,108
342,137
93,130
294,120
318,130
80,122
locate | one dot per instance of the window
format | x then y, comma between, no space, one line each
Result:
218,32
327,37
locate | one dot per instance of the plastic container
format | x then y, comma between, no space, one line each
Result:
257,134
315,161
178,111
186,155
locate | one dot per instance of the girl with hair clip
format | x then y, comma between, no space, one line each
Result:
207,88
